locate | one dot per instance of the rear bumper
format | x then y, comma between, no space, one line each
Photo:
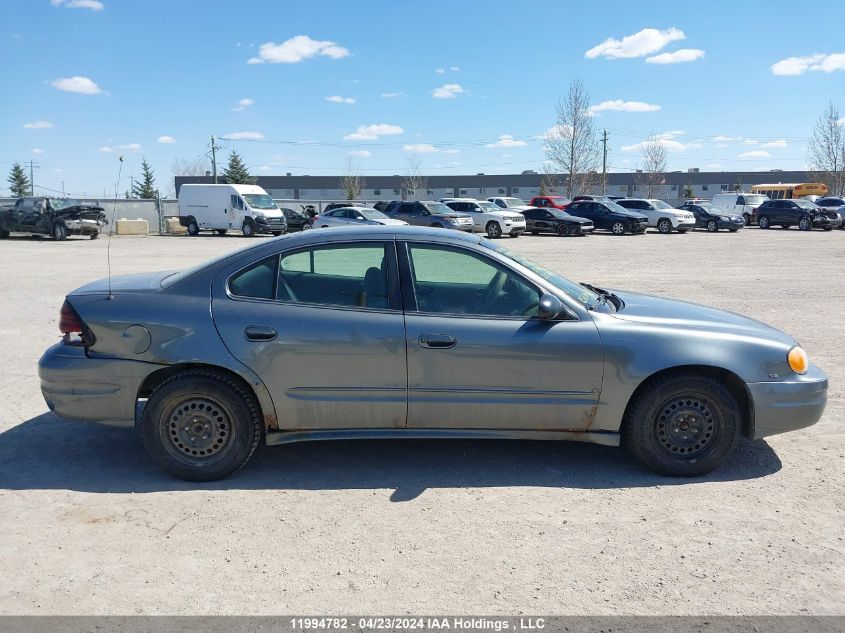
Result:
78,387
788,405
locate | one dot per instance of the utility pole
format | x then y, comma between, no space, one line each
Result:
214,149
32,166
604,162
131,185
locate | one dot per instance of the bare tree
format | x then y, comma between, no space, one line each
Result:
414,182
571,146
653,175
826,151
352,181
187,167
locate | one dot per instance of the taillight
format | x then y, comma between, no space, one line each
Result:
74,330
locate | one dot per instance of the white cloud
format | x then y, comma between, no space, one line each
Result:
757,153
339,99
454,69
714,166
81,85
841,121
130,146
297,49
105,148
618,105
721,138
775,144
820,62
676,57
451,151
167,140
244,136
639,44
372,132
420,148
38,125
243,104
667,139
440,71
447,91
391,95
722,145
37,150
360,153
506,140
94,5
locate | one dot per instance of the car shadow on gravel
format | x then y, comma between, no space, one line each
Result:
49,453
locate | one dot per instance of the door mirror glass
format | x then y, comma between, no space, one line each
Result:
550,307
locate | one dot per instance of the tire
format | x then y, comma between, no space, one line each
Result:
784,226
220,415
712,226
532,233
437,226
747,218
515,235
59,231
564,231
763,222
618,228
805,223
493,230
221,232
94,235
828,228
682,425
276,233
664,226
733,230
248,228
4,234
305,227
193,227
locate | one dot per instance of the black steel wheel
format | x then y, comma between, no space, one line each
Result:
683,424
201,425
193,227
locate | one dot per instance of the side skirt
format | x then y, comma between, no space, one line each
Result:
288,437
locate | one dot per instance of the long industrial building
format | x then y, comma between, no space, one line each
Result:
675,185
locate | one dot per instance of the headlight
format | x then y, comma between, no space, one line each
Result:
798,360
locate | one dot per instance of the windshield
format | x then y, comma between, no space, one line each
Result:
489,206
755,200
63,203
558,213
513,202
438,208
585,297
372,214
259,201
659,204
806,204
711,208
618,207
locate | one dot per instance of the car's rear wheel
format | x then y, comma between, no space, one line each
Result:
563,230
682,424
494,231
248,229
192,227
805,223
618,228
664,226
201,425
712,226
763,222
59,231
94,235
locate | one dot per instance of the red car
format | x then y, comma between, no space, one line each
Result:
557,202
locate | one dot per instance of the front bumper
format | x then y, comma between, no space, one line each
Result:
270,225
730,224
514,229
83,226
824,222
80,387
788,405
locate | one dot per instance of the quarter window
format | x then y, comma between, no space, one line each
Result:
453,281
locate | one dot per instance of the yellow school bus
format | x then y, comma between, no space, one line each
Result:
791,190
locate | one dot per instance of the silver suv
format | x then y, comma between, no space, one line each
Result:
429,213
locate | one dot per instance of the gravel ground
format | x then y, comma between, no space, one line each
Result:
89,526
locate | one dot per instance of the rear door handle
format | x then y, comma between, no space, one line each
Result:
437,341
260,333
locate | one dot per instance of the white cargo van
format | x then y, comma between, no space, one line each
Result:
740,203
245,208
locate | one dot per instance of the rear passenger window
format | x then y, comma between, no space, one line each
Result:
256,281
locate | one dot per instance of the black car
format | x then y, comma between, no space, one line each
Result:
609,216
709,216
801,213
58,217
428,213
296,221
555,221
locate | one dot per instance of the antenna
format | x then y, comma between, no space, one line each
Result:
112,227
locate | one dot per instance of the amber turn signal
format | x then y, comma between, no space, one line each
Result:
798,360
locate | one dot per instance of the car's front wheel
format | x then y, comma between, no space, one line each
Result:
805,223
712,226
664,226
682,424
763,222
201,425
494,231
59,231
617,228
248,229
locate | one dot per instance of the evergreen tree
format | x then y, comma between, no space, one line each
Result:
145,187
236,172
688,192
20,181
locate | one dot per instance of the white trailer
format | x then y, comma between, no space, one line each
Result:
245,208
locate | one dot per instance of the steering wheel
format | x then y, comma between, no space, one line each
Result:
491,292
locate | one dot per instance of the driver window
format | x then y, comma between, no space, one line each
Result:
454,281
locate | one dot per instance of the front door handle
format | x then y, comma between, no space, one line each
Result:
437,341
260,333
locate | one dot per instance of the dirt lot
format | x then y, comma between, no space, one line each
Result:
89,526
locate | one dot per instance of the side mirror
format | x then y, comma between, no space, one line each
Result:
550,307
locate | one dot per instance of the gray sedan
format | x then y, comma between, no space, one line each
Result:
397,332
353,216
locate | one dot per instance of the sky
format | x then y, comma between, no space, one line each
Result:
468,87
